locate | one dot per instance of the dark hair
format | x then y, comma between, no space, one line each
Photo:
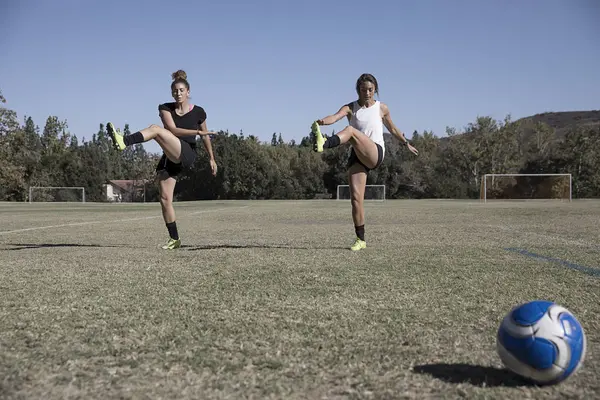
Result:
366,78
179,76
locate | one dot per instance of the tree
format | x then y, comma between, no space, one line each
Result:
8,118
446,167
12,174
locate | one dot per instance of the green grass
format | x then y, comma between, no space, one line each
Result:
266,301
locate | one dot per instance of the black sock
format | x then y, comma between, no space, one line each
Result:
360,232
134,138
172,227
332,141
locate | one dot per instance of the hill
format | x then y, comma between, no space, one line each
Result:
562,121
559,122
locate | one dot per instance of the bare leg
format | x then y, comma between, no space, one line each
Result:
170,143
166,186
165,139
357,176
364,147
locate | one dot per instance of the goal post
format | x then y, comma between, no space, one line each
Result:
56,194
372,192
526,187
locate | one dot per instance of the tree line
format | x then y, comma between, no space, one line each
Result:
447,167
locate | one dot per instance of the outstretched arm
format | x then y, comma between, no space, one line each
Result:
389,124
167,120
332,119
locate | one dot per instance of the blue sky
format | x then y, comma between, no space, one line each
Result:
275,66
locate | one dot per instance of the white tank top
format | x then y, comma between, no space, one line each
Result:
368,121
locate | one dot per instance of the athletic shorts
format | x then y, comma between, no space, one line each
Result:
188,157
353,158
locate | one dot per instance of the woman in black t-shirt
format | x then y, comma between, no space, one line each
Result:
182,122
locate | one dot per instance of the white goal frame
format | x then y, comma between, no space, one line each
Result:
484,183
337,194
57,187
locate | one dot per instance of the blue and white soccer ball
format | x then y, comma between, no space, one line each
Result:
541,341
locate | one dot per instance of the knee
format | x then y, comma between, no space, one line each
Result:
156,130
352,133
349,130
166,199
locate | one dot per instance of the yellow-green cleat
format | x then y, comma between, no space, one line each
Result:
116,136
172,244
358,245
317,137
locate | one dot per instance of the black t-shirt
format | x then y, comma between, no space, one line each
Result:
190,120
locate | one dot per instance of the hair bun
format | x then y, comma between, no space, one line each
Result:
179,74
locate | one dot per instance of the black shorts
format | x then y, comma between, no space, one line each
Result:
353,158
188,157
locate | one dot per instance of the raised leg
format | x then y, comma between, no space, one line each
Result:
170,143
364,147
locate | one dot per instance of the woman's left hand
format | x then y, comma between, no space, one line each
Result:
412,149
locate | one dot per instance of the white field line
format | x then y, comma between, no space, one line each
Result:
35,228
225,208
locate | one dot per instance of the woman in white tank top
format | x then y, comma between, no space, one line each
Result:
366,117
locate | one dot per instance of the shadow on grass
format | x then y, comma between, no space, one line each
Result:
259,246
26,246
473,374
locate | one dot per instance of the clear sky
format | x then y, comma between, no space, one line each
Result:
275,66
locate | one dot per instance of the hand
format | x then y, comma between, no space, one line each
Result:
205,133
412,149
318,122
213,167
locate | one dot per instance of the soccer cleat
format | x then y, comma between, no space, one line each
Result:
116,136
317,137
172,244
358,245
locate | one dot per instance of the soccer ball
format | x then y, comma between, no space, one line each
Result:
541,341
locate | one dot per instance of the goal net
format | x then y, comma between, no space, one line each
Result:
56,194
372,192
526,187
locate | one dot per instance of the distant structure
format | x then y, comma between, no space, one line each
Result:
123,190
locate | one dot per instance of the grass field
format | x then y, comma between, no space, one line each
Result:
266,301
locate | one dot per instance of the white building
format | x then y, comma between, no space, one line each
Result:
124,190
